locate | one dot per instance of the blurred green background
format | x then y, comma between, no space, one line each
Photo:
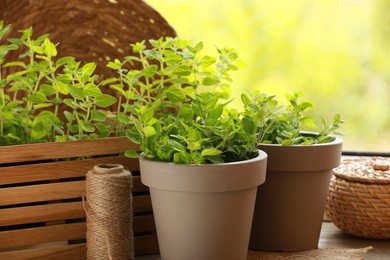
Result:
337,52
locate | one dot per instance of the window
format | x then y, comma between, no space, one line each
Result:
336,52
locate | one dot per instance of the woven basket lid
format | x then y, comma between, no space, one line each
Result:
89,30
371,170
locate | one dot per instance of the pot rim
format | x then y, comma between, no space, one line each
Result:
221,177
261,155
303,158
338,140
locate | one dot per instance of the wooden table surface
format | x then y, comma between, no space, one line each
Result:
332,237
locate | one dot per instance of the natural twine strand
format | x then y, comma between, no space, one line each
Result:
109,213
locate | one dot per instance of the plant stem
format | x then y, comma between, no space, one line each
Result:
56,106
2,96
80,133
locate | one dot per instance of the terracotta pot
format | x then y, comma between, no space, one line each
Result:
290,205
203,211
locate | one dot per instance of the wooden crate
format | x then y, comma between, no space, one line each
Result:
41,190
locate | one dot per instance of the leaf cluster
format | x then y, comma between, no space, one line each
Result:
178,107
284,125
41,86
202,132
177,103
171,99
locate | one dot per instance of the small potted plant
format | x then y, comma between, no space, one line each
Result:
199,159
290,205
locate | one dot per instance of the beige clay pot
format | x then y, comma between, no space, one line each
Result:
203,211
290,205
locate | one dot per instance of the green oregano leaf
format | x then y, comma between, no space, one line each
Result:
36,98
149,131
91,90
249,125
182,70
49,48
98,116
176,94
105,100
88,69
207,61
132,154
150,71
209,81
211,152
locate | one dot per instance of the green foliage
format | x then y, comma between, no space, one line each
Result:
177,103
285,124
32,95
203,132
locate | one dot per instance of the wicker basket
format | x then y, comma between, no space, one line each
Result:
359,197
89,30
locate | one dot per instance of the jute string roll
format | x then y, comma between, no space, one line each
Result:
109,213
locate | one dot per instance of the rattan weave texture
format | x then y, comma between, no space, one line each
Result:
89,30
359,197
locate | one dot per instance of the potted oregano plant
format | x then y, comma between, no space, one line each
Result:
199,159
55,124
290,205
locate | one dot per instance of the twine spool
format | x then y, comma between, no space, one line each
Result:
109,213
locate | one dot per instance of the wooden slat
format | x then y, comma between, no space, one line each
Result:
46,151
60,211
146,244
59,170
57,191
42,192
66,252
41,213
144,223
138,186
142,203
142,245
40,235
